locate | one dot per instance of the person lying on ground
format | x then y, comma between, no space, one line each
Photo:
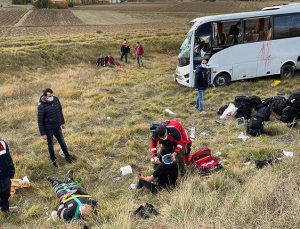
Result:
166,174
171,133
74,203
100,61
7,172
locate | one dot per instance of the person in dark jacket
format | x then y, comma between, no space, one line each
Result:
7,172
165,173
74,203
201,83
125,49
51,121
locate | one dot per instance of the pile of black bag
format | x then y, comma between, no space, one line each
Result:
287,110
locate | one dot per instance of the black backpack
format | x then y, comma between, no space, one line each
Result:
254,100
289,114
255,126
264,112
244,110
278,104
294,100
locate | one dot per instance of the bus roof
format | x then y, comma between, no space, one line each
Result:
267,11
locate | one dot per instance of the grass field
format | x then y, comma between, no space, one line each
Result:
63,58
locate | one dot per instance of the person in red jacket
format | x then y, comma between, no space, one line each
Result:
173,136
139,51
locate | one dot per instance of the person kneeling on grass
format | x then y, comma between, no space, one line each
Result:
166,174
74,203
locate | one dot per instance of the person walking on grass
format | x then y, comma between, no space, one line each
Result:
125,49
7,172
139,52
51,122
201,83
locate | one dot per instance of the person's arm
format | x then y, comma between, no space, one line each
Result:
147,178
153,146
61,112
10,163
41,114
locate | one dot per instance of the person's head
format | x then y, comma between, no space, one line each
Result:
204,63
86,210
161,132
138,43
167,159
48,94
238,24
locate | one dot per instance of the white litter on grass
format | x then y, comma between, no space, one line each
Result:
192,133
61,153
288,154
53,215
217,154
25,179
169,111
229,111
243,136
133,186
203,133
247,163
230,144
108,118
126,170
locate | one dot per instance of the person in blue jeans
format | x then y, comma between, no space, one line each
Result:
51,122
201,83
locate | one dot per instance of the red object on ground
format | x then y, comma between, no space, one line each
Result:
204,161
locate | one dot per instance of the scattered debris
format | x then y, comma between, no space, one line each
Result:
145,211
276,83
230,144
133,186
247,163
217,154
116,178
288,154
220,122
108,118
229,112
240,121
192,132
169,111
126,170
19,183
61,153
243,136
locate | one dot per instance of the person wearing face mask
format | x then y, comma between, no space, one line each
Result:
201,83
51,122
172,137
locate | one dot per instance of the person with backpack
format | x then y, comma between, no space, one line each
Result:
7,172
125,49
172,136
201,83
166,174
51,121
139,52
74,203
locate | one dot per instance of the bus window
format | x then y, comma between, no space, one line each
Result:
227,33
258,29
286,26
202,40
185,50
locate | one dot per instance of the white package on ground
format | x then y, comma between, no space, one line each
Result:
229,112
126,170
288,154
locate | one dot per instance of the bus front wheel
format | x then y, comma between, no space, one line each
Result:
222,79
287,71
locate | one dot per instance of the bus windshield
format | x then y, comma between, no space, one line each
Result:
185,49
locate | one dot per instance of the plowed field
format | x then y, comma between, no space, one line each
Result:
9,17
48,17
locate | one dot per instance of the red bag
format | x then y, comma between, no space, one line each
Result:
205,162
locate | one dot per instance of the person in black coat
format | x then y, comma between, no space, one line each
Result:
201,83
51,121
125,49
7,172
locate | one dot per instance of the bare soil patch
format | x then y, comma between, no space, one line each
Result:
51,17
9,17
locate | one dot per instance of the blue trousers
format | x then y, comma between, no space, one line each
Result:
199,103
60,138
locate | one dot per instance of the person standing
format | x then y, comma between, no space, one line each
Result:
201,83
139,51
7,172
125,49
51,122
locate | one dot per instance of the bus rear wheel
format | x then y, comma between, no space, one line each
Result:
222,79
287,71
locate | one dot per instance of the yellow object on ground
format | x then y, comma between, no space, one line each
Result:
19,183
276,83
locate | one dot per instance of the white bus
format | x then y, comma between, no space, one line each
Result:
242,45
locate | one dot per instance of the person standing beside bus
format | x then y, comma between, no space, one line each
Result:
201,83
